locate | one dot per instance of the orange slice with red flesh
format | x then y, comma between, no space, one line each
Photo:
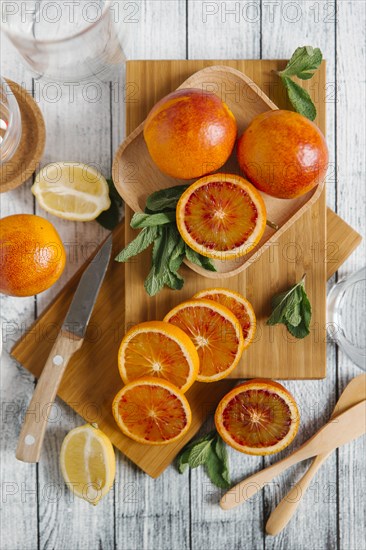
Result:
258,417
221,216
240,306
216,333
158,349
152,411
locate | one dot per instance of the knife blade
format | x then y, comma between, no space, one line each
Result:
68,341
81,307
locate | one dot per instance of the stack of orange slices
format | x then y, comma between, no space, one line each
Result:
201,339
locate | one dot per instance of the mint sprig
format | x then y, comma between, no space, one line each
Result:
208,451
293,309
303,63
110,218
158,227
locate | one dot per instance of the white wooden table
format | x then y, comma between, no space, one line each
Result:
181,512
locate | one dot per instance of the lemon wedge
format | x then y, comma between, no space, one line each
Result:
88,463
71,190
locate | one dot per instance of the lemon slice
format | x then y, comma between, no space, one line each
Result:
71,190
88,463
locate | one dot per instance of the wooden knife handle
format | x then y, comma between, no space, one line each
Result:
35,422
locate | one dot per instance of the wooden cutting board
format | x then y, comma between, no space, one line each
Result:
301,249
92,378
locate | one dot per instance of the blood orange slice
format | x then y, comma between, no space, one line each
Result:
216,333
152,411
258,417
221,216
240,306
158,349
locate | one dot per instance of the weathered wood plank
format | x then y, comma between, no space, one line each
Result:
351,202
285,27
150,514
19,495
220,30
78,129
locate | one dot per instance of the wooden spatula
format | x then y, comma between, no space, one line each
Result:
346,427
354,393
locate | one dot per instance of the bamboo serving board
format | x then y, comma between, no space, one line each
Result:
92,378
301,249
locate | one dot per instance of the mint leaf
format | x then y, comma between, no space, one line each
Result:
109,219
208,451
198,259
214,468
139,244
300,99
199,453
304,61
165,199
141,219
293,309
283,303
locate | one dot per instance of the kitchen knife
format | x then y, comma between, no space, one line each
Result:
68,341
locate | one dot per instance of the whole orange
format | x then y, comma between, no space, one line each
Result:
32,256
190,133
283,154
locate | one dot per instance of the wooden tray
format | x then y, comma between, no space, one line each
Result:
91,379
246,100
274,353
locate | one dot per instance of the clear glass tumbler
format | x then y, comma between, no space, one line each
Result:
65,40
10,122
346,324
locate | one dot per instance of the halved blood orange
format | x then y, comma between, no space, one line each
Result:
155,348
152,411
258,417
240,306
221,216
216,333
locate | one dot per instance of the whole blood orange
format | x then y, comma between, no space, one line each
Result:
221,216
152,411
283,154
190,133
216,333
32,256
258,417
238,305
155,348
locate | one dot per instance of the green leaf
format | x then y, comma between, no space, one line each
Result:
141,219
177,256
173,280
304,61
183,457
109,219
199,453
198,259
283,302
293,315
139,244
165,199
300,99
221,451
214,468
293,309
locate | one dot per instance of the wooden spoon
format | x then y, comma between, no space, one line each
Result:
354,393
346,427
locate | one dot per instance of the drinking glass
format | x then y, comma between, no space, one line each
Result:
346,324
65,40
10,122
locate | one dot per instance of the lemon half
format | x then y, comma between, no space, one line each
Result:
71,190
88,463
